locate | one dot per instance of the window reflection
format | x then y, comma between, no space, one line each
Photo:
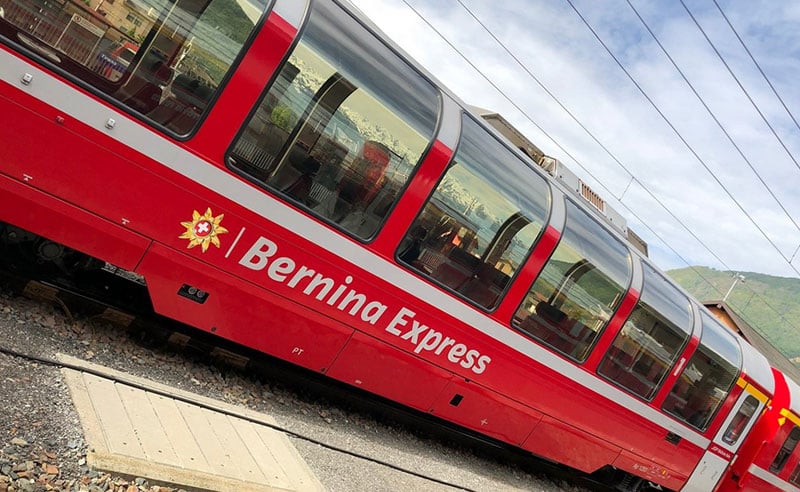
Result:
650,342
707,378
579,288
162,59
740,420
786,450
329,136
481,221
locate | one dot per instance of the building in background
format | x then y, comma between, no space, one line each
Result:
561,173
730,319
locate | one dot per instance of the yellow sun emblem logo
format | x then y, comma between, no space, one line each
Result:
203,230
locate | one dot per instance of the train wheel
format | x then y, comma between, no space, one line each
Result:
24,252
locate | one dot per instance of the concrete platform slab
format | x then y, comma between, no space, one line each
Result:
144,429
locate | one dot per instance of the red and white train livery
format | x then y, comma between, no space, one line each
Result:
283,176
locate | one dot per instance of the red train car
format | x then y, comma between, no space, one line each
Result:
283,176
770,458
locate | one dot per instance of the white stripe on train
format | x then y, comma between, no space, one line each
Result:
147,141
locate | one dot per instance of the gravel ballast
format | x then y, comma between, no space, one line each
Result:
42,444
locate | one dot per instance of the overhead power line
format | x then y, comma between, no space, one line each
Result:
741,86
649,192
713,116
633,178
572,157
677,132
758,66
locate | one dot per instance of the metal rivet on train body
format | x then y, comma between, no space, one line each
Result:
110,123
60,120
27,79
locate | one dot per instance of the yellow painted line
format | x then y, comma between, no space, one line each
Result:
758,394
785,412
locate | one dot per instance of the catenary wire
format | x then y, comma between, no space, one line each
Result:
679,135
614,157
741,86
694,153
758,66
722,128
574,159
633,178
724,131
755,106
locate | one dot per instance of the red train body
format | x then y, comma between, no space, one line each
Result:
291,182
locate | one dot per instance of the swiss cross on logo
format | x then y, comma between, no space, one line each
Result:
203,230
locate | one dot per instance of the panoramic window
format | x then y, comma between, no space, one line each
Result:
786,450
707,378
579,288
342,127
651,339
481,221
163,59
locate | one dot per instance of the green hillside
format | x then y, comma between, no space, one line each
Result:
760,300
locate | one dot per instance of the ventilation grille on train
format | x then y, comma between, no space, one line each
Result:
592,197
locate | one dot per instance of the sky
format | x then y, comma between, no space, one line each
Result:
679,133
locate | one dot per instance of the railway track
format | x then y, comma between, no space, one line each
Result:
117,298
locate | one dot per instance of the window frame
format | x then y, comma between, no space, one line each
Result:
409,65
66,70
717,333
659,387
526,165
783,454
623,293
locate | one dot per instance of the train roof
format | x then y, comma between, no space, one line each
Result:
756,366
794,396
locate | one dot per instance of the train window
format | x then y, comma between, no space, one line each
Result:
579,288
342,127
481,221
740,420
794,478
707,378
786,450
163,59
652,338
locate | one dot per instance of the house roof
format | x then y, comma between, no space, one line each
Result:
743,329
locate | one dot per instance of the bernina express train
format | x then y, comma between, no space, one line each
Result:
283,176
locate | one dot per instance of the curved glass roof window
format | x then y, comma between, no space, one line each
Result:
343,126
707,378
164,60
652,338
481,222
579,289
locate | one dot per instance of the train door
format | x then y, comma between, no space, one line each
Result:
722,449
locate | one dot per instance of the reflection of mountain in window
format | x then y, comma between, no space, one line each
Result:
329,136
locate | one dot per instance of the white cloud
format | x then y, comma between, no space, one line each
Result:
555,45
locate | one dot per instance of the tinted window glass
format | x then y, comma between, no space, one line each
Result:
342,127
579,288
740,420
707,378
786,450
481,221
161,58
794,478
651,339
